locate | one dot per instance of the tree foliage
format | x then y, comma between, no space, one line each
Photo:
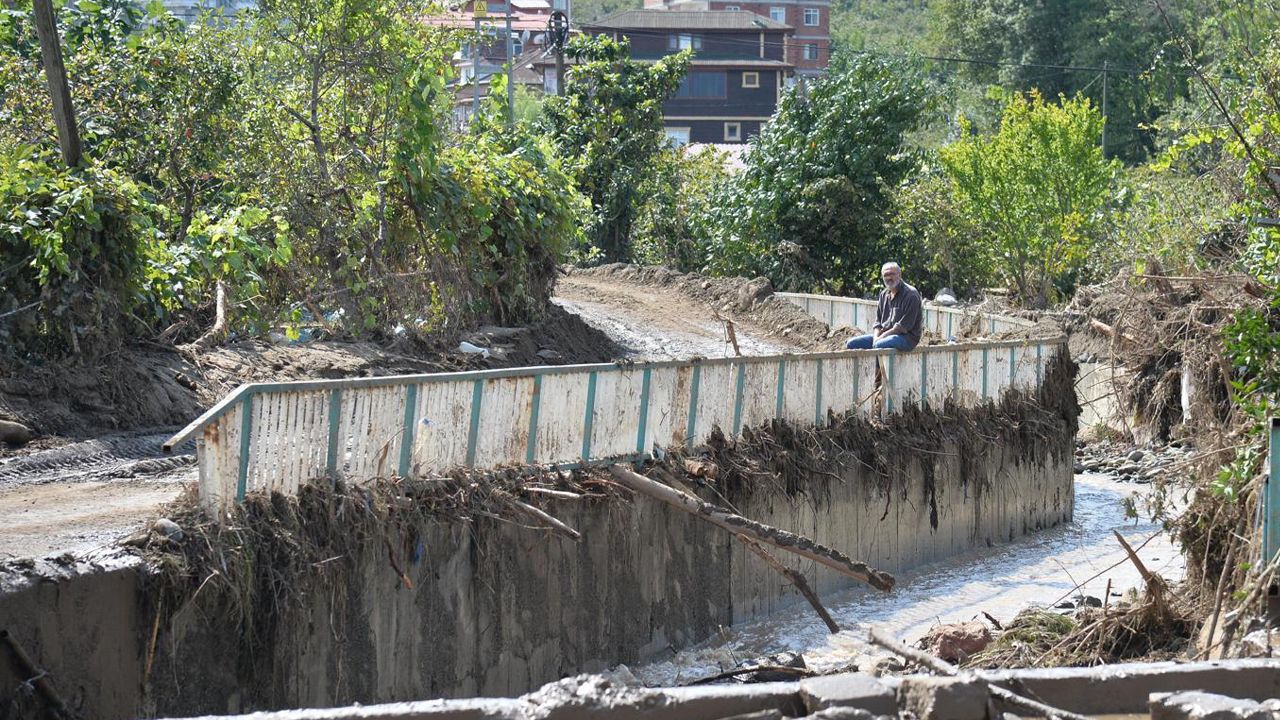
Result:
610,121
1039,191
299,156
811,207
678,198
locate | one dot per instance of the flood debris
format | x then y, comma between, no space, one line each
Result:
943,667
756,531
36,677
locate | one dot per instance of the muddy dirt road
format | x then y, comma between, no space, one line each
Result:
660,323
84,496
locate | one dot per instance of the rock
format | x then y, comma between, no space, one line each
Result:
1077,468
15,433
168,529
945,296
954,642
879,665
786,659
843,714
1196,705
1260,643
1136,455
853,690
1087,601
943,698
550,356
753,292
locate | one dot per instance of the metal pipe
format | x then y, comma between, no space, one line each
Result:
37,677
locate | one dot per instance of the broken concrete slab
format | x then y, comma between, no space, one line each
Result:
1126,688
1194,705
944,698
849,690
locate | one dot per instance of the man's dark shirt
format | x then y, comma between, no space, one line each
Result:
903,309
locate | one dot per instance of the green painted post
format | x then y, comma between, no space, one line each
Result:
1039,362
857,377
985,355
782,382
1271,511
693,406
955,375
856,313
924,380
335,420
473,433
889,394
1013,366
246,429
406,437
589,416
817,409
950,321
644,410
737,399
535,407
831,313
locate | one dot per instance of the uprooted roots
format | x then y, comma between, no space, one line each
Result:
1154,626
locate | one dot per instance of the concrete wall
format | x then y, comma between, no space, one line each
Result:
495,609
1097,388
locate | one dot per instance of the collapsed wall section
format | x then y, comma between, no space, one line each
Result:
371,595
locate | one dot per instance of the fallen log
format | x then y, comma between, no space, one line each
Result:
538,514
797,578
942,666
1107,329
738,525
1133,557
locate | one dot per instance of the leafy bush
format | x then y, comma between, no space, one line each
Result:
678,198
73,252
1039,190
811,207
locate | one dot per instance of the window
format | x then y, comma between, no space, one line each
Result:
810,51
702,84
684,41
732,8
733,132
778,14
677,136
812,16
750,79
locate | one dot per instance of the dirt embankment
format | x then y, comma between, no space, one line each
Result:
151,386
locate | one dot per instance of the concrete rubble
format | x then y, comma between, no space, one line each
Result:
1225,690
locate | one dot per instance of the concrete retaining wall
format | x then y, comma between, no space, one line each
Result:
497,610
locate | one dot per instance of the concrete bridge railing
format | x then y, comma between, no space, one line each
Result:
277,436
943,322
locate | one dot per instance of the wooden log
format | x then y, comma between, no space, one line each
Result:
736,524
55,73
1107,329
539,515
945,668
797,578
1133,556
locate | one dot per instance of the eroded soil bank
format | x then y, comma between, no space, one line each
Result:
434,588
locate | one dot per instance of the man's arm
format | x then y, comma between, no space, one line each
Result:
881,316
912,315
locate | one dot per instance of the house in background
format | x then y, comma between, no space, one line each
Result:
810,47
735,80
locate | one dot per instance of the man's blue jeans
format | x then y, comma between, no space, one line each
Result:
867,342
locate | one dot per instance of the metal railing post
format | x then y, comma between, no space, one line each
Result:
1271,498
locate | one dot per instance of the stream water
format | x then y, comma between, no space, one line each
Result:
1040,569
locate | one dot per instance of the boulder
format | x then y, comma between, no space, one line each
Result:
15,433
954,642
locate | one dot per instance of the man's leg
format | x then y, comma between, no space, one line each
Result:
861,342
893,342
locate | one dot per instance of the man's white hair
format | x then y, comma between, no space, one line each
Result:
891,266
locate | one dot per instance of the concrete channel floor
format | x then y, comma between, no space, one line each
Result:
1039,568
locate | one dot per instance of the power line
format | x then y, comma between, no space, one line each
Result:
799,44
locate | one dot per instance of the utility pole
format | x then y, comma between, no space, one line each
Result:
511,71
479,9
558,33
1105,64
64,113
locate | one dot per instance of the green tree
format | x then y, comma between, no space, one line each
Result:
1039,190
1040,45
811,206
610,121
677,200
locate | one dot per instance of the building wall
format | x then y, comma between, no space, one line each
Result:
817,35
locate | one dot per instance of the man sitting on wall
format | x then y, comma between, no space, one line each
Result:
899,315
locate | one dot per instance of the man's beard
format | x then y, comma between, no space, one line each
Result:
891,285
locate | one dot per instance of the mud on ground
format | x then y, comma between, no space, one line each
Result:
147,385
